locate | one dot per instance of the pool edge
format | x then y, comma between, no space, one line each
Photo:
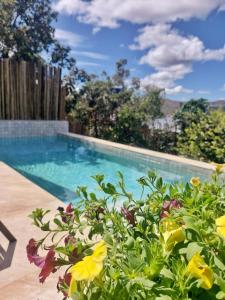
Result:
146,152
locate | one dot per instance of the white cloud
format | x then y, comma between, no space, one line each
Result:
101,13
91,54
168,52
68,38
177,90
171,54
87,64
203,92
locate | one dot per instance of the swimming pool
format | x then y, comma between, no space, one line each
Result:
59,164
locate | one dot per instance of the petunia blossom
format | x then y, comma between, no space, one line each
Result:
89,268
46,263
197,268
64,283
49,266
129,215
195,181
168,206
32,255
173,237
220,226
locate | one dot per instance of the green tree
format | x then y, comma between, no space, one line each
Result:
111,109
205,139
151,102
190,112
121,73
26,31
128,124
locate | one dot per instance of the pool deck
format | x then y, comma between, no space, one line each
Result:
18,197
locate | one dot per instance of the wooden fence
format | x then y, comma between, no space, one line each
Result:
30,91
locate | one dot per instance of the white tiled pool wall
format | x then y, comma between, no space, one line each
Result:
167,165
32,128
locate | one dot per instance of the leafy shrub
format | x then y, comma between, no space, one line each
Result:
190,112
169,244
205,139
127,128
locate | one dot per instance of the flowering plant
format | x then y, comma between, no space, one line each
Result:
167,245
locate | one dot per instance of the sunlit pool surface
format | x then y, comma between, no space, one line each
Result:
60,164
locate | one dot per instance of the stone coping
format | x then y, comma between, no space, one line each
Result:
141,151
18,198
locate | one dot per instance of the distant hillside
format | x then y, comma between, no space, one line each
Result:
217,104
169,107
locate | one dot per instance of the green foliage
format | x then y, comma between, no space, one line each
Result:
151,241
190,112
205,138
127,126
121,73
26,31
112,110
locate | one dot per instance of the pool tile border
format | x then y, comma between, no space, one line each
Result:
171,161
29,128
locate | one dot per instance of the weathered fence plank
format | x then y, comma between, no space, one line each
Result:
30,91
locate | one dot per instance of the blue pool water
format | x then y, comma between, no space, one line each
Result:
60,164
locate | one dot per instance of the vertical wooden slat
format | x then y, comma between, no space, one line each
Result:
30,91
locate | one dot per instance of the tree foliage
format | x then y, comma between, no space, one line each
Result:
26,31
205,139
113,110
190,112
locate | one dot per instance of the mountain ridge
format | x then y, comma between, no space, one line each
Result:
169,106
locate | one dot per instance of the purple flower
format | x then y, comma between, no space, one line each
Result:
49,266
46,264
64,283
129,215
32,255
66,214
168,206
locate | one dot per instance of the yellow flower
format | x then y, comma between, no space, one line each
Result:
198,269
168,225
171,238
195,181
100,251
89,268
220,225
219,167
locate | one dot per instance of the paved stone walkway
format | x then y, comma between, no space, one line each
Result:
18,197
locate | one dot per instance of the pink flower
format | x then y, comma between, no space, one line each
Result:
49,266
69,208
67,214
168,206
64,283
129,215
32,255
47,263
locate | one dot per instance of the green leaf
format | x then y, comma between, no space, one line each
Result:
45,227
58,222
220,295
159,183
219,263
108,239
192,248
164,297
167,273
146,283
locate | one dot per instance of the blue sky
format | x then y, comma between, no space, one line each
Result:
178,45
